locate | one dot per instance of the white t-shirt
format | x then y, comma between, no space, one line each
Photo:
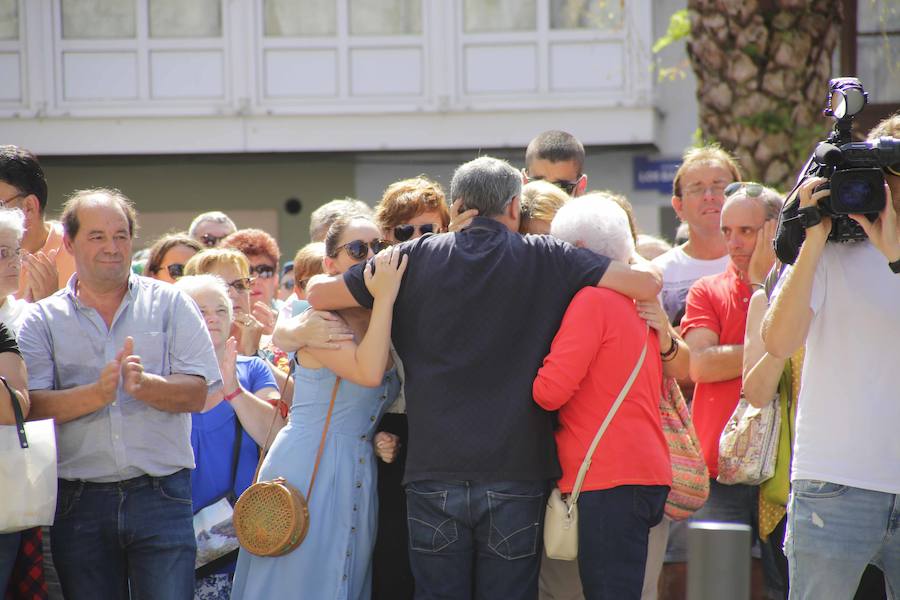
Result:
848,411
13,313
679,272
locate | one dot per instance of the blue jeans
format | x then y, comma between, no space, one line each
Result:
473,539
9,550
133,538
833,532
613,528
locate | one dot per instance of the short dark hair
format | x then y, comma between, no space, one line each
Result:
555,146
21,169
78,198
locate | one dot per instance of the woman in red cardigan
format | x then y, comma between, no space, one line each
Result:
598,343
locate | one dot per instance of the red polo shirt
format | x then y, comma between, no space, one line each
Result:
718,303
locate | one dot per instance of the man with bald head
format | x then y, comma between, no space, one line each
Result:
119,361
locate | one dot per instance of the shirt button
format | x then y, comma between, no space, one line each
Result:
359,485
372,418
362,461
362,437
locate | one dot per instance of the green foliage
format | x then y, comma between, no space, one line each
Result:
770,121
679,28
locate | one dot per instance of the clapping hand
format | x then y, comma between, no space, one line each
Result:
132,369
41,274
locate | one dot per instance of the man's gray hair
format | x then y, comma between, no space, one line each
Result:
13,219
598,223
769,199
215,216
486,183
205,282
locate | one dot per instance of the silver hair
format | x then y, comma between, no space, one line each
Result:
13,219
194,284
486,183
598,223
769,199
215,216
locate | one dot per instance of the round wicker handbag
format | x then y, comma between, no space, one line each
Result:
271,517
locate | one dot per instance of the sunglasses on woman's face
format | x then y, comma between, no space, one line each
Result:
175,270
263,271
406,231
241,285
358,249
752,190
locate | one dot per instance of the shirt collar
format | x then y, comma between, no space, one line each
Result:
72,287
486,223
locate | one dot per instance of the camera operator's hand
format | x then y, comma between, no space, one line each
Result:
883,233
763,256
817,233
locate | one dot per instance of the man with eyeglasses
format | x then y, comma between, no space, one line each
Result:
557,157
698,192
46,265
713,327
119,361
474,319
210,228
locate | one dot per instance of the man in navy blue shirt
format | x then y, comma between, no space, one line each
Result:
473,320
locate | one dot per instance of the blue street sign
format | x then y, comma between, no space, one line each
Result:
654,174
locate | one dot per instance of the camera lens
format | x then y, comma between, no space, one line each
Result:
853,196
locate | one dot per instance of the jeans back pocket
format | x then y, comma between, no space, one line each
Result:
515,524
431,529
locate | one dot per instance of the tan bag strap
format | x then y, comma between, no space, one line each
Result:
312,480
586,464
264,451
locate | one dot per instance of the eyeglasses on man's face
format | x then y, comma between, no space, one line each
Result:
211,241
5,203
717,189
567,186
241,285
359,249
263,271
406,231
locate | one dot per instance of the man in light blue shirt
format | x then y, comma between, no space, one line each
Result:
119,361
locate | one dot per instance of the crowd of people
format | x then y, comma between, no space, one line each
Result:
459,350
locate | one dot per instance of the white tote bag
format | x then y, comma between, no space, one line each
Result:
27,472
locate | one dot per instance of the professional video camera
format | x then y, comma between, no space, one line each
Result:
854,171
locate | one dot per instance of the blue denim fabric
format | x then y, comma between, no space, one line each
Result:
834,531
613,529
476,540
136,535
9,550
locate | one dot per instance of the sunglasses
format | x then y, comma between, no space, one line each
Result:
358,249
175,270
263,271
752,190
406,231
241,285
210,241
288,286
568,187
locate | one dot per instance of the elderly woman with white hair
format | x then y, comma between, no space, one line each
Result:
227,435
594,352
12,228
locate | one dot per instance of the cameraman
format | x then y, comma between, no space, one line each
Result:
843,301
